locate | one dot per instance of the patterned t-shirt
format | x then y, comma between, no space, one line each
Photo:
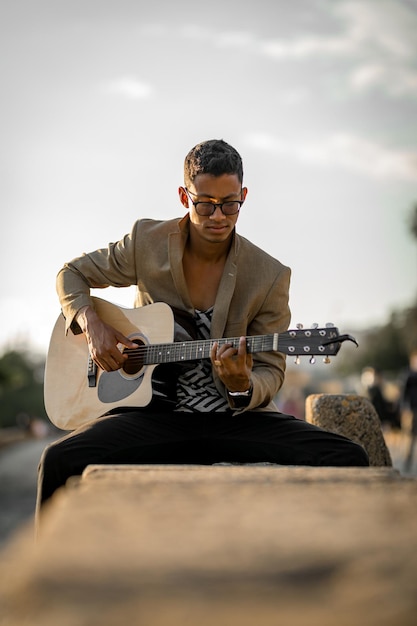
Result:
196,391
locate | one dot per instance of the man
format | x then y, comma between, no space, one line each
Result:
214,410
410,402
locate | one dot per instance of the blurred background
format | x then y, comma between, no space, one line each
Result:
101,100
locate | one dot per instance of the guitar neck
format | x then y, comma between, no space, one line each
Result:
200,349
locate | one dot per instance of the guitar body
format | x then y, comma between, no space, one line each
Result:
70,401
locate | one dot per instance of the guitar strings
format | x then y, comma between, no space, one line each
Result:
194,350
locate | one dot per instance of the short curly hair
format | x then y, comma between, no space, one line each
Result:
215,157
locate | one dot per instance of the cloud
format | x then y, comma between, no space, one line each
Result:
129,87
370,27
305,47
384,34
387,26
394,80
377,38
345,151
371,43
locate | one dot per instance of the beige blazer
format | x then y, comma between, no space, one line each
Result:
252,297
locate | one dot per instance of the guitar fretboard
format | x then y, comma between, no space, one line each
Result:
200,349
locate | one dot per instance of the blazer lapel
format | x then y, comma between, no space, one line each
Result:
176,246
225,293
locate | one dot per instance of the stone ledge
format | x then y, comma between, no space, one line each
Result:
253,472
223,545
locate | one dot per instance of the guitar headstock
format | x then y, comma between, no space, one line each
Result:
313,342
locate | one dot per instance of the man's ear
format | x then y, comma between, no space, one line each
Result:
244,193
183,197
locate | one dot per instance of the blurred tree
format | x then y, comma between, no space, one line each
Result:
410,328
21,387
413,221
383,347
411,313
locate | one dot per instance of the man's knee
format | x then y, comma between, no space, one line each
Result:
50,458
358,455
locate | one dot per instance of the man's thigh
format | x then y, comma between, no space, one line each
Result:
283,439
129,428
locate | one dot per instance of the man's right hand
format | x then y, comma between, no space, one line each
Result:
103,340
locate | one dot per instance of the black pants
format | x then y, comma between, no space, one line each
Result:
144,436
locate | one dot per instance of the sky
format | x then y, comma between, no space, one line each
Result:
102,99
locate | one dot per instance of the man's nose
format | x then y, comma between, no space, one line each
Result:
217,213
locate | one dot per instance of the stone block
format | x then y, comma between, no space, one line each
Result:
223,545
352,416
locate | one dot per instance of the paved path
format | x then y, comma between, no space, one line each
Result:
18,475
398,444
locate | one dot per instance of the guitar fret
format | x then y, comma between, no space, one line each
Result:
200,349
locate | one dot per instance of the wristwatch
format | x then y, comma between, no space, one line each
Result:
240,399
237,394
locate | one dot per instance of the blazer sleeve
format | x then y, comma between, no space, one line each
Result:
269,367
268,373
112,266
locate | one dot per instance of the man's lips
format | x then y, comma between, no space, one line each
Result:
218,227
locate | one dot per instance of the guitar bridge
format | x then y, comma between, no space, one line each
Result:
91,372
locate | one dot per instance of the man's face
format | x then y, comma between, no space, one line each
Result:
217,227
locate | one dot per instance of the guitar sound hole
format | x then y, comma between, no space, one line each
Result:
134,362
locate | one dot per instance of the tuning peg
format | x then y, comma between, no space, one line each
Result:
299,326
297,360
312,360
314,325
326,360
329,325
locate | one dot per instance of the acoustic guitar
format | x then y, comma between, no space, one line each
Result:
77,391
